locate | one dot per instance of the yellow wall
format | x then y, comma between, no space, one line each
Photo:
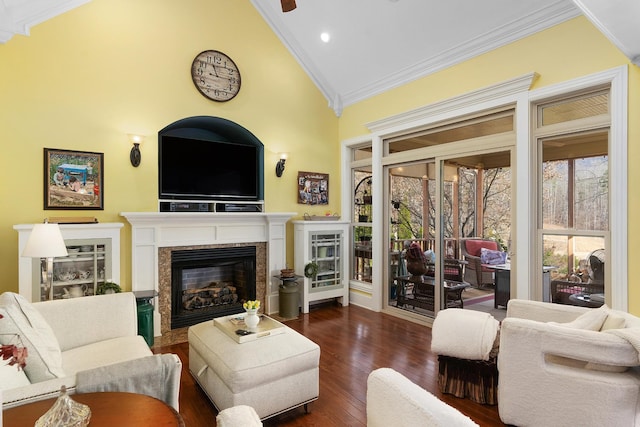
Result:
83,80
567,51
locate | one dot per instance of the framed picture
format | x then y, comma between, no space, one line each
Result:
73,179
313,188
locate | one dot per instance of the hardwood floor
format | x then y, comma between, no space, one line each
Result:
353,342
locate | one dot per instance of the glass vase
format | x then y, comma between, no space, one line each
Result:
65,412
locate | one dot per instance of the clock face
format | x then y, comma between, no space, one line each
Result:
215,75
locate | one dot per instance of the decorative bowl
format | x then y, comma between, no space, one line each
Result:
287,272
84,274
73,252
67,276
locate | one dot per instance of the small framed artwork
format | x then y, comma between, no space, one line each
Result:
313,188
73,179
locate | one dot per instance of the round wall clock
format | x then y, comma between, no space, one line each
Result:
215,75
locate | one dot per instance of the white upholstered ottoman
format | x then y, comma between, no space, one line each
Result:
272,374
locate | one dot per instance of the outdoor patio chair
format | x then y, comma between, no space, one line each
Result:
593,283
474,272
453,270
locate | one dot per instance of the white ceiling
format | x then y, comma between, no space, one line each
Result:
380,44
18,16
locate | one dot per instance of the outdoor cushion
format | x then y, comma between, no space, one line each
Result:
491,257
474,247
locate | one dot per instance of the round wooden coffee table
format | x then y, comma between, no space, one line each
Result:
107,409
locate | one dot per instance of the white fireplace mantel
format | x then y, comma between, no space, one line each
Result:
153,230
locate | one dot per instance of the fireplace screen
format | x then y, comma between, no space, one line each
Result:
208,287
208,283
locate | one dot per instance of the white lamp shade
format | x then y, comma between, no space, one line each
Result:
45,241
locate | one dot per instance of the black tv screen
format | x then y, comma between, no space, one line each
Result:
207,170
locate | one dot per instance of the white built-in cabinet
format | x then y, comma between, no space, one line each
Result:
324,243
94,258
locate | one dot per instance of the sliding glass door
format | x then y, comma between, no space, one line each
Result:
434,206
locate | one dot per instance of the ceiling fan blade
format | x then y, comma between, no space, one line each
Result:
288,5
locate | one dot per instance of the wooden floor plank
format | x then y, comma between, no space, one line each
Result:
353,342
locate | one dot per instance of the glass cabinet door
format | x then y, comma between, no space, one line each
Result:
80,273
325,252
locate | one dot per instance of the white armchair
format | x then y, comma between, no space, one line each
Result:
559,374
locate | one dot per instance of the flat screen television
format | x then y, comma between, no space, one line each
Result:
197,169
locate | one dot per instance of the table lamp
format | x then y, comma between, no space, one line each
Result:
45,242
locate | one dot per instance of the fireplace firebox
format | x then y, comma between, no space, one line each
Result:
211,282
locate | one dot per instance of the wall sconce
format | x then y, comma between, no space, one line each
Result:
135,156
280,164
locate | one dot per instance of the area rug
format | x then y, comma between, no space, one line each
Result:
477,300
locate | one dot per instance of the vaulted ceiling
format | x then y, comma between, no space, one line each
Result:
375,45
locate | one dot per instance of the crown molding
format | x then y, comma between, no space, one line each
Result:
617,21
18,16
502,90
510,32
541,19
307,63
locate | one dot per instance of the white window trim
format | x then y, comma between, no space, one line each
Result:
360,293
617,78
509,92
515,91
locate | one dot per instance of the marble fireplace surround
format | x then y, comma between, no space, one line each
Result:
155,234
164,277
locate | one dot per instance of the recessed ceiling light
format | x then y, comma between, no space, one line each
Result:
325,37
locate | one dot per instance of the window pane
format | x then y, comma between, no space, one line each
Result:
591,210
496,188
362,196
576,108
554,194
575,182
361,262
407,206
491,188
362,153
472,128
362,254
579,263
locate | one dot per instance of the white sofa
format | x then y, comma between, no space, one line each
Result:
94,338
238,416
393,400
562,365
